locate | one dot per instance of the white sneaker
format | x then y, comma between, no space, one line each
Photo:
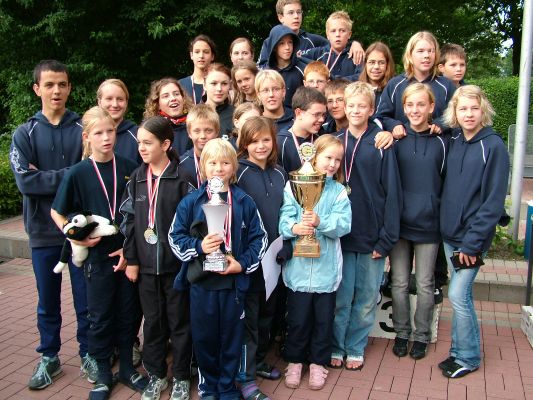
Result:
154,388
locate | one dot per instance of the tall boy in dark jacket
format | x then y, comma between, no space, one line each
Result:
42,151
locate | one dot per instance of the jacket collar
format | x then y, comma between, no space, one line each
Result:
171,172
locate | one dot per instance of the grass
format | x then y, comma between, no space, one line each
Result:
504,250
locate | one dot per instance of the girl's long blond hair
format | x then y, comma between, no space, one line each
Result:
408,54
91,117
470,92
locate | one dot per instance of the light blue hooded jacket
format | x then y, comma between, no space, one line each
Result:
317,275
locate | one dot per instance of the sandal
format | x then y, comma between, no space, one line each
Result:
351,360
336,362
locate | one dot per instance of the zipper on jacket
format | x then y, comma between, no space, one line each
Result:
158,245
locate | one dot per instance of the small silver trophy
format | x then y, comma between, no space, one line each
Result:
215,211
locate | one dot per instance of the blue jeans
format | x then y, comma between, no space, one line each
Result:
465,329
49,320
356,303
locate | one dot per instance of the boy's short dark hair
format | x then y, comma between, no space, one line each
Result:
451,49
48,65
280,4
305,97
208,40
336,85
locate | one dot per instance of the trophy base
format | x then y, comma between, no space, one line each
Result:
308,248
215,262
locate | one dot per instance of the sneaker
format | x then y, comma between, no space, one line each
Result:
293,375
100,391
454,370
44,371
400,347
180,390
267,371
317,376
438,296
137,355
135,382
419,350
444,364
89,368
154,388
250,391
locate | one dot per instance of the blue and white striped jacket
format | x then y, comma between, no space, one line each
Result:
248,237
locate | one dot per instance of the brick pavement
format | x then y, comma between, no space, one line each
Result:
506,372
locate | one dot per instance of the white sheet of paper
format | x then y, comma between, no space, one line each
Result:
271,269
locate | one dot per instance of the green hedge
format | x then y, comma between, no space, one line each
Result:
502,92
11,200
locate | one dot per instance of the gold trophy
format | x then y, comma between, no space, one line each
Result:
307,185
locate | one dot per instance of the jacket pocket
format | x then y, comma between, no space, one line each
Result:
420,211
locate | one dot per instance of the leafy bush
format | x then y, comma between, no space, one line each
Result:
11,203
503,93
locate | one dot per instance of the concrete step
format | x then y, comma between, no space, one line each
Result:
13,239
499,280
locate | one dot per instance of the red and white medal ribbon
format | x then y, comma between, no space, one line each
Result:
194,92
113,209
348,172
227,224
335,62
197,170
153,190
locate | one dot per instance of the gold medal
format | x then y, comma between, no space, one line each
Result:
150,236
348,189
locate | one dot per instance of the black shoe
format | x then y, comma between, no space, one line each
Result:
267,371
418,351
400,347
100,391
444,364
454,370
438,296
135,382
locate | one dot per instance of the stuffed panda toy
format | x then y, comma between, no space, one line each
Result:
78,227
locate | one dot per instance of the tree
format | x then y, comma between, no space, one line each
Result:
135,40
394,21
506,17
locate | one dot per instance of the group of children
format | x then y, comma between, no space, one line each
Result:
442,180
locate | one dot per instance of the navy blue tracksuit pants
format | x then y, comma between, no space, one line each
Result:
217,324
44,259
114,309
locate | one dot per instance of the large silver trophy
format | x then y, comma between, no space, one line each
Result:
215,211
307,185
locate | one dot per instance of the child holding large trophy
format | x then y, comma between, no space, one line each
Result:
313,278
217,298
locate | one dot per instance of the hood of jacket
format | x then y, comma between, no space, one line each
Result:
276,34
67,118
125,126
